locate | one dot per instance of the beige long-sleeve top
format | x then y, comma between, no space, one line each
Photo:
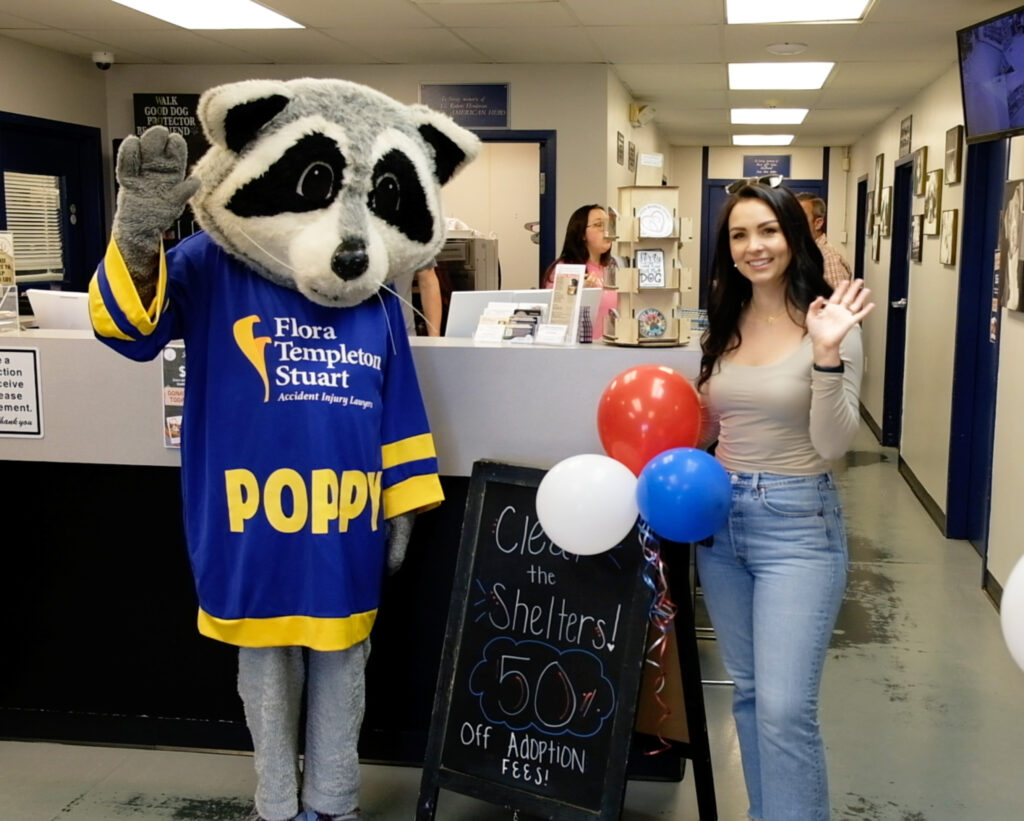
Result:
786,417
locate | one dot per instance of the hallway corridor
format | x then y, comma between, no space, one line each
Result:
922,707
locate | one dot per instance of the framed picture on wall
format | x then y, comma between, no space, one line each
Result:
947,237
885,216
920,159
632,156
906,125
932,202
1011,224
876,245
876,206
954,147
620,148
916,236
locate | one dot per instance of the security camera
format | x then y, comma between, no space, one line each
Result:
103,59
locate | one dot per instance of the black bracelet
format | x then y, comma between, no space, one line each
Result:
829,368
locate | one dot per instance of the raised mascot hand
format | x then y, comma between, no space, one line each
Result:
154,192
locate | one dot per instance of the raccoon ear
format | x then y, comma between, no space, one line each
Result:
233,114
453,145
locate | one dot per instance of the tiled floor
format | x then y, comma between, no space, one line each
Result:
923,708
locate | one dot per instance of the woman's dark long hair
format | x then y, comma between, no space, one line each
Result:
574,248
730,290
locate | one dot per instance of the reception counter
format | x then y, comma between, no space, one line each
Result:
529,404
97,594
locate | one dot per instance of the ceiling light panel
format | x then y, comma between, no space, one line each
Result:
767,116
762,139
210,16
768,76
794,11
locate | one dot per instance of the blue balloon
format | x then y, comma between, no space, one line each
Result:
684,494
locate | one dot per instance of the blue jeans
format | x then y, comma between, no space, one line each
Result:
773,582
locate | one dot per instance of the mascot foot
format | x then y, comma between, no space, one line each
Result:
345,816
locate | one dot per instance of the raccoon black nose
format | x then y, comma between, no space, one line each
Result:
350,259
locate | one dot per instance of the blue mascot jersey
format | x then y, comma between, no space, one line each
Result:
303,430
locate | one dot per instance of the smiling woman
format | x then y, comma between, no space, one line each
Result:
780,383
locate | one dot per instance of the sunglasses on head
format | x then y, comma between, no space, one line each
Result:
771,180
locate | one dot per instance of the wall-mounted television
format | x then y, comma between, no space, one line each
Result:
992,76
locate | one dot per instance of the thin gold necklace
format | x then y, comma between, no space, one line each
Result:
770,318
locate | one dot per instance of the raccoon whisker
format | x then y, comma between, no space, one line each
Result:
280,262
430,324
387,319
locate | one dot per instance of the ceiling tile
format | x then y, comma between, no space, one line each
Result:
298,46
658,44
393,45
544,45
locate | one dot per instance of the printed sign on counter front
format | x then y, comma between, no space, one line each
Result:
20,403
174,393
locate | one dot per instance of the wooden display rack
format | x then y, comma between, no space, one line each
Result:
652,287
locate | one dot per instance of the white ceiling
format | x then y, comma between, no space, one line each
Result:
668,53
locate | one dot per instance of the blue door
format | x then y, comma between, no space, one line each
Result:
896,329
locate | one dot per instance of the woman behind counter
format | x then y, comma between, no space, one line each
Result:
586,244
780,377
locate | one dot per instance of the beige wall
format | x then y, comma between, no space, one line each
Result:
931,295
42,83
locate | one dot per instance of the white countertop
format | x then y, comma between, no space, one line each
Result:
525,404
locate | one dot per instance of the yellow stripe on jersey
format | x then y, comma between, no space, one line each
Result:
122,287
286,631
417,493
408,450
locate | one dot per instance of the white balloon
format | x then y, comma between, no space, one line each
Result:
587,503
1011,613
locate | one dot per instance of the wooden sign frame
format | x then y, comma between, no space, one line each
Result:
470,761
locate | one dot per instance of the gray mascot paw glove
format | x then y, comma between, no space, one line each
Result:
399,531
154,192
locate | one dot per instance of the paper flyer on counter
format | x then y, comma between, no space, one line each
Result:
173,393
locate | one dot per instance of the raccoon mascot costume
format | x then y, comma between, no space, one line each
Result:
305,450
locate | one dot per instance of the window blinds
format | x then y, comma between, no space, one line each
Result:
33,216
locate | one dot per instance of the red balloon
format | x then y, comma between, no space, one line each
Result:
647,410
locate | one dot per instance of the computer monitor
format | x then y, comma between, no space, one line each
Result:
63,310
465,307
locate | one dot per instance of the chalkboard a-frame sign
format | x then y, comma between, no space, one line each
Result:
541,664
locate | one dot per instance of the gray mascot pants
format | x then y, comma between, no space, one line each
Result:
270,682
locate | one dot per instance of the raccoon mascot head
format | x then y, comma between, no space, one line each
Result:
325,186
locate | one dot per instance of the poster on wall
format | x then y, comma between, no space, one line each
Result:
177,113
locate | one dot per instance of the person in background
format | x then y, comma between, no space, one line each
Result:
586,243
430,300
779,380
837,269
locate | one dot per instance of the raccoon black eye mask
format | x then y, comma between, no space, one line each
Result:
306,178
324,186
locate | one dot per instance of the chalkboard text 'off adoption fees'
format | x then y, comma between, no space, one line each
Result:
533,693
